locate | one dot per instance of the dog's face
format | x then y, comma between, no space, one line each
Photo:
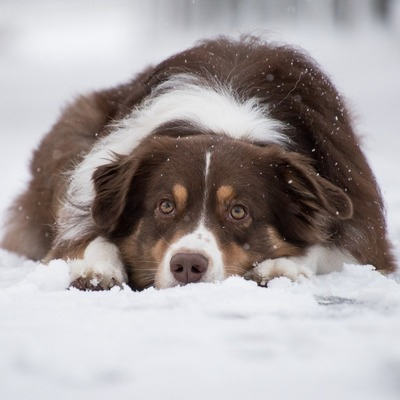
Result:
201,208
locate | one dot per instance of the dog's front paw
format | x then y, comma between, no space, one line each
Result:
93,283
100,268
96,277
270,269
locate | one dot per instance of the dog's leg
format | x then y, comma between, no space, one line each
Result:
317,260
100,268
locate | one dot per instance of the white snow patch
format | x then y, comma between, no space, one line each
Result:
18,273
333,334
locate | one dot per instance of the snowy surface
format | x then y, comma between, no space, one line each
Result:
332,337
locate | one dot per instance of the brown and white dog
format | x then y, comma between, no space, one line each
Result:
230,158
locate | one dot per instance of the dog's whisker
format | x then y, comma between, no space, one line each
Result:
149,261
162,237
239,271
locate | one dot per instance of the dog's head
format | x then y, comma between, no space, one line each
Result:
201,208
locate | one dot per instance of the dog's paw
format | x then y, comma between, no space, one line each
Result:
270,269
100,268
93,283
96,277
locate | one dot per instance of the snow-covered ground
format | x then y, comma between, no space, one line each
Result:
332,337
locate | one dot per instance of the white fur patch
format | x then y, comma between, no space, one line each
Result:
317,260
101,265
213,107
208,163
201,241
183,97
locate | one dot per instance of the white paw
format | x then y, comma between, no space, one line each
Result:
100,269
270,269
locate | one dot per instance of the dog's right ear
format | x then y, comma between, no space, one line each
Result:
120,186
113,183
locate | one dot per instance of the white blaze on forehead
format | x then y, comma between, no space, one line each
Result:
206,186
201,241
210,106
207,168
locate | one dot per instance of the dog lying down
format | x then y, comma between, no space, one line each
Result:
234,157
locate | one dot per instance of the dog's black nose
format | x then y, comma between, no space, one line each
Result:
188,267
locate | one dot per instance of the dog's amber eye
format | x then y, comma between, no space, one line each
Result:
238,212
166,207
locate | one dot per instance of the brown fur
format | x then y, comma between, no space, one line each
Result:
320,190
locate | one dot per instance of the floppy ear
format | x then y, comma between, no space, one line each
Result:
309,207
121,185
113,183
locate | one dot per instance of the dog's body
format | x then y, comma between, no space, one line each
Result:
233,157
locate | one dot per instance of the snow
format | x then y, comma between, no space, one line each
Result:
331,337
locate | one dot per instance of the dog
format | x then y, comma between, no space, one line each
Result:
234,157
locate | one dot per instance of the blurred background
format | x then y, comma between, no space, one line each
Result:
52,50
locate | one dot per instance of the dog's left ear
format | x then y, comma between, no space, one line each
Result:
307,206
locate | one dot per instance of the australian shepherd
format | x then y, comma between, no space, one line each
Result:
234,157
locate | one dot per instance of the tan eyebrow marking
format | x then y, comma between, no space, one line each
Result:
180,194
225,193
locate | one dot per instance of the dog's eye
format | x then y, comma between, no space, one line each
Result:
166,207
238,212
